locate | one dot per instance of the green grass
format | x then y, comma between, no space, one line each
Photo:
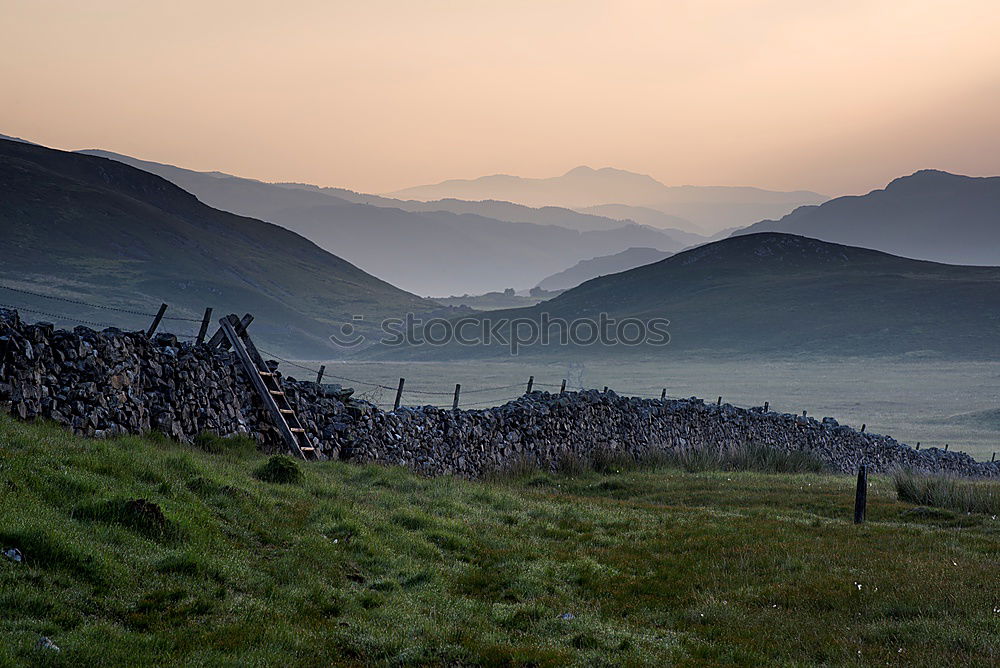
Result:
967,496
365,564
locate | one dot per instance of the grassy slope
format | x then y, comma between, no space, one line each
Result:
376,565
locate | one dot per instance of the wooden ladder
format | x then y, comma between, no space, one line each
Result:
268,388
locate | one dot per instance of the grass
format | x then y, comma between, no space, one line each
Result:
748,457
967,496
141,551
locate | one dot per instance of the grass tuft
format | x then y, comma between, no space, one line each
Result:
279,469
225,445
939,491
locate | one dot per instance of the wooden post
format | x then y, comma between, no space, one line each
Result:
605,389
994,457
918,445
946,447
240,326
861,495
863,428
204,326
766,406
803,413
663,394
458,390
563,387
719,402
319,374
156,321
399,394
531,381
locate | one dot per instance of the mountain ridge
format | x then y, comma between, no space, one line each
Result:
929,214
710,208
94,229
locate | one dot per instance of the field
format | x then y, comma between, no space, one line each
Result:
374,565
912,400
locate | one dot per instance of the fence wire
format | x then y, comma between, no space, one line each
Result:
644,393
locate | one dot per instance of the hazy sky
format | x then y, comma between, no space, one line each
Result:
833,96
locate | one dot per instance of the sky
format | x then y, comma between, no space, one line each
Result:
836,97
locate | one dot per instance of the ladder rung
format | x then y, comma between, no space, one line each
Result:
305,447
276,392
265,373
297,430
286,411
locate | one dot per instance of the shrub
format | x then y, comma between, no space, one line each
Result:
940,491
279,469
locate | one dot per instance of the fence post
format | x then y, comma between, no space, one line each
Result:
946,447
804,413
156,321
399,394
994,457
562,388
319,374
766,406
605,389
863,428
458,390
918,445
204,326
663,394
719,402
531,381
861,495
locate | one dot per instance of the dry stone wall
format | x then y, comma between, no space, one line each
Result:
106,383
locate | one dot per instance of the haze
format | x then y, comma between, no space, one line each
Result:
832,97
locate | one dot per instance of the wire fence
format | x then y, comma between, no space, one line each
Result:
369,389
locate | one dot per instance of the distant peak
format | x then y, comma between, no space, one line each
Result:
923,176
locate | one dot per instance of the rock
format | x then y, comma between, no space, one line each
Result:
45,644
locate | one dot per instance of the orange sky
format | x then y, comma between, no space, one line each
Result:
833,96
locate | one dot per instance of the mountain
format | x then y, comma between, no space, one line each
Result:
779,295
506,211
708,208
600,266
645,216
87,229
433,253
17,139
931,215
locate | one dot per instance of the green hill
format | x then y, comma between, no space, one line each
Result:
779,294
146,552
96,230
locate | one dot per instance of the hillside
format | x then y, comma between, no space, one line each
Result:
600,266
406,248
498,210
95,230
930,215
708,208
778,294
147,552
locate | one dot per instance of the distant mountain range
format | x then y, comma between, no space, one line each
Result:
434,252
698,209
931,215
87,229
601,266
506,211
777,295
